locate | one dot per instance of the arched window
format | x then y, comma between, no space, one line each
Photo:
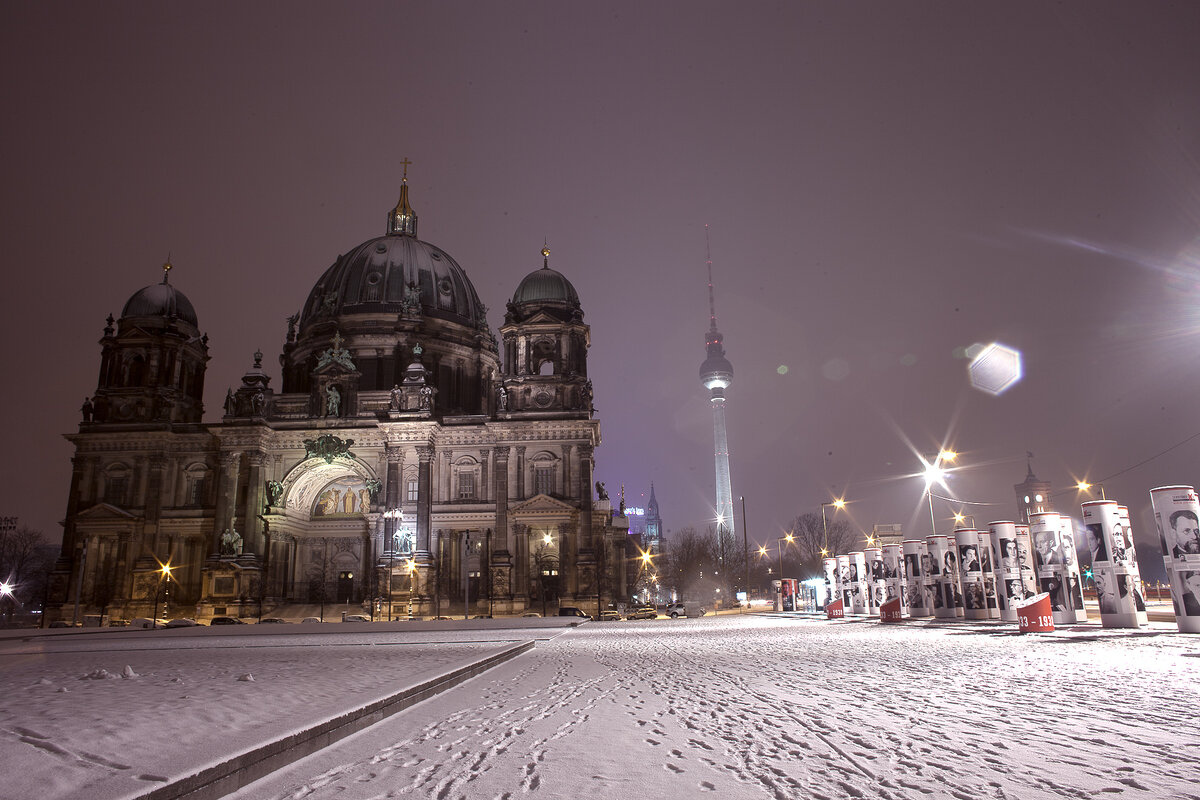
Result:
466,479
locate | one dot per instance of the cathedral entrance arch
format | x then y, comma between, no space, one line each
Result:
327,507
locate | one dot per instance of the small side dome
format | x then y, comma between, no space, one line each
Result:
545,286
161,300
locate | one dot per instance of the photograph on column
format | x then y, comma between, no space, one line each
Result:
1114,584
1072,581
1050,562
915,559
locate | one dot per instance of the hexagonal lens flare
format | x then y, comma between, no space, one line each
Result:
995,369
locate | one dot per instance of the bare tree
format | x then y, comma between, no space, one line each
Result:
810,540
26,559
692,557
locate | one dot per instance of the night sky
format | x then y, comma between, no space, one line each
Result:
886,184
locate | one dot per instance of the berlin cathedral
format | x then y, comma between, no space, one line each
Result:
407,461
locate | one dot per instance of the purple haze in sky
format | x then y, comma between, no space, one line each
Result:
887,184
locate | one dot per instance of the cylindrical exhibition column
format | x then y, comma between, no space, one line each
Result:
833,587
970,569
1135,571
860,584
1177,515
1050,563
1025,561
989,558
944,589
1009,588
894,574
915,557
844,581
1110,569
876,585
1074,583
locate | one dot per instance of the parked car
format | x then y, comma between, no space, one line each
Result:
225,621
531,614
572,611
608,615
272,621
356,618
310,619
677,610
642,612
61,623
181,622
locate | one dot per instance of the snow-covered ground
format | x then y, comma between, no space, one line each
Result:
111,713
740,706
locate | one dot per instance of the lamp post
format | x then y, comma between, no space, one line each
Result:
779,549
745,549
933,474
1083,486
163,572
839,504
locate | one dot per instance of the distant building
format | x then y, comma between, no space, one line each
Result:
716,373
407,452
890,533
1033,495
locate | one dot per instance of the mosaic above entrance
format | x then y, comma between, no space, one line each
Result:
343,497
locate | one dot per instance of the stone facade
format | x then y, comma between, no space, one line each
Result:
401,462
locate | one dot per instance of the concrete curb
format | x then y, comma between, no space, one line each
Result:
232,774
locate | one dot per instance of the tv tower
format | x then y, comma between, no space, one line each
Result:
716,373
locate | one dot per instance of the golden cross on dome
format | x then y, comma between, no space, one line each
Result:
405,163
166,267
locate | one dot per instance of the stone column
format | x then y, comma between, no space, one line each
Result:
503,579
483,476
585,496
500,493
226,497
424,503
567,451
447,478
520,472
157,466
392,491
255,541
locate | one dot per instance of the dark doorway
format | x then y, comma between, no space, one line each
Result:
345,587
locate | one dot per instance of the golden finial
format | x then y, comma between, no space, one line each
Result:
405,163
166,267
545,256
545,252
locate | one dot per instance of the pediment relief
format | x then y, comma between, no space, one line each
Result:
542,504
105,511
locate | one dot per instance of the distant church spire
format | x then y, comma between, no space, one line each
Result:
402,220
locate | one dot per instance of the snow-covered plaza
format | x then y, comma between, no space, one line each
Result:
762,705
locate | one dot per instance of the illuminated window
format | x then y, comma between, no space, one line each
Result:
410,490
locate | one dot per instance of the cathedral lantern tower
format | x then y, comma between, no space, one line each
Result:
152,363
716,373
545,347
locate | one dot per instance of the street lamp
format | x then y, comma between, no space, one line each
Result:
839,504
935,473
779,548
1083,486
163,572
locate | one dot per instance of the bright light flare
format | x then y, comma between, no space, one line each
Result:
762,551
1083,486
996,369
6,589
790,538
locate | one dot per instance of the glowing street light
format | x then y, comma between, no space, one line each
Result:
163,572
935,473
839,504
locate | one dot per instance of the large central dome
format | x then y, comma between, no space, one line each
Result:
394,271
